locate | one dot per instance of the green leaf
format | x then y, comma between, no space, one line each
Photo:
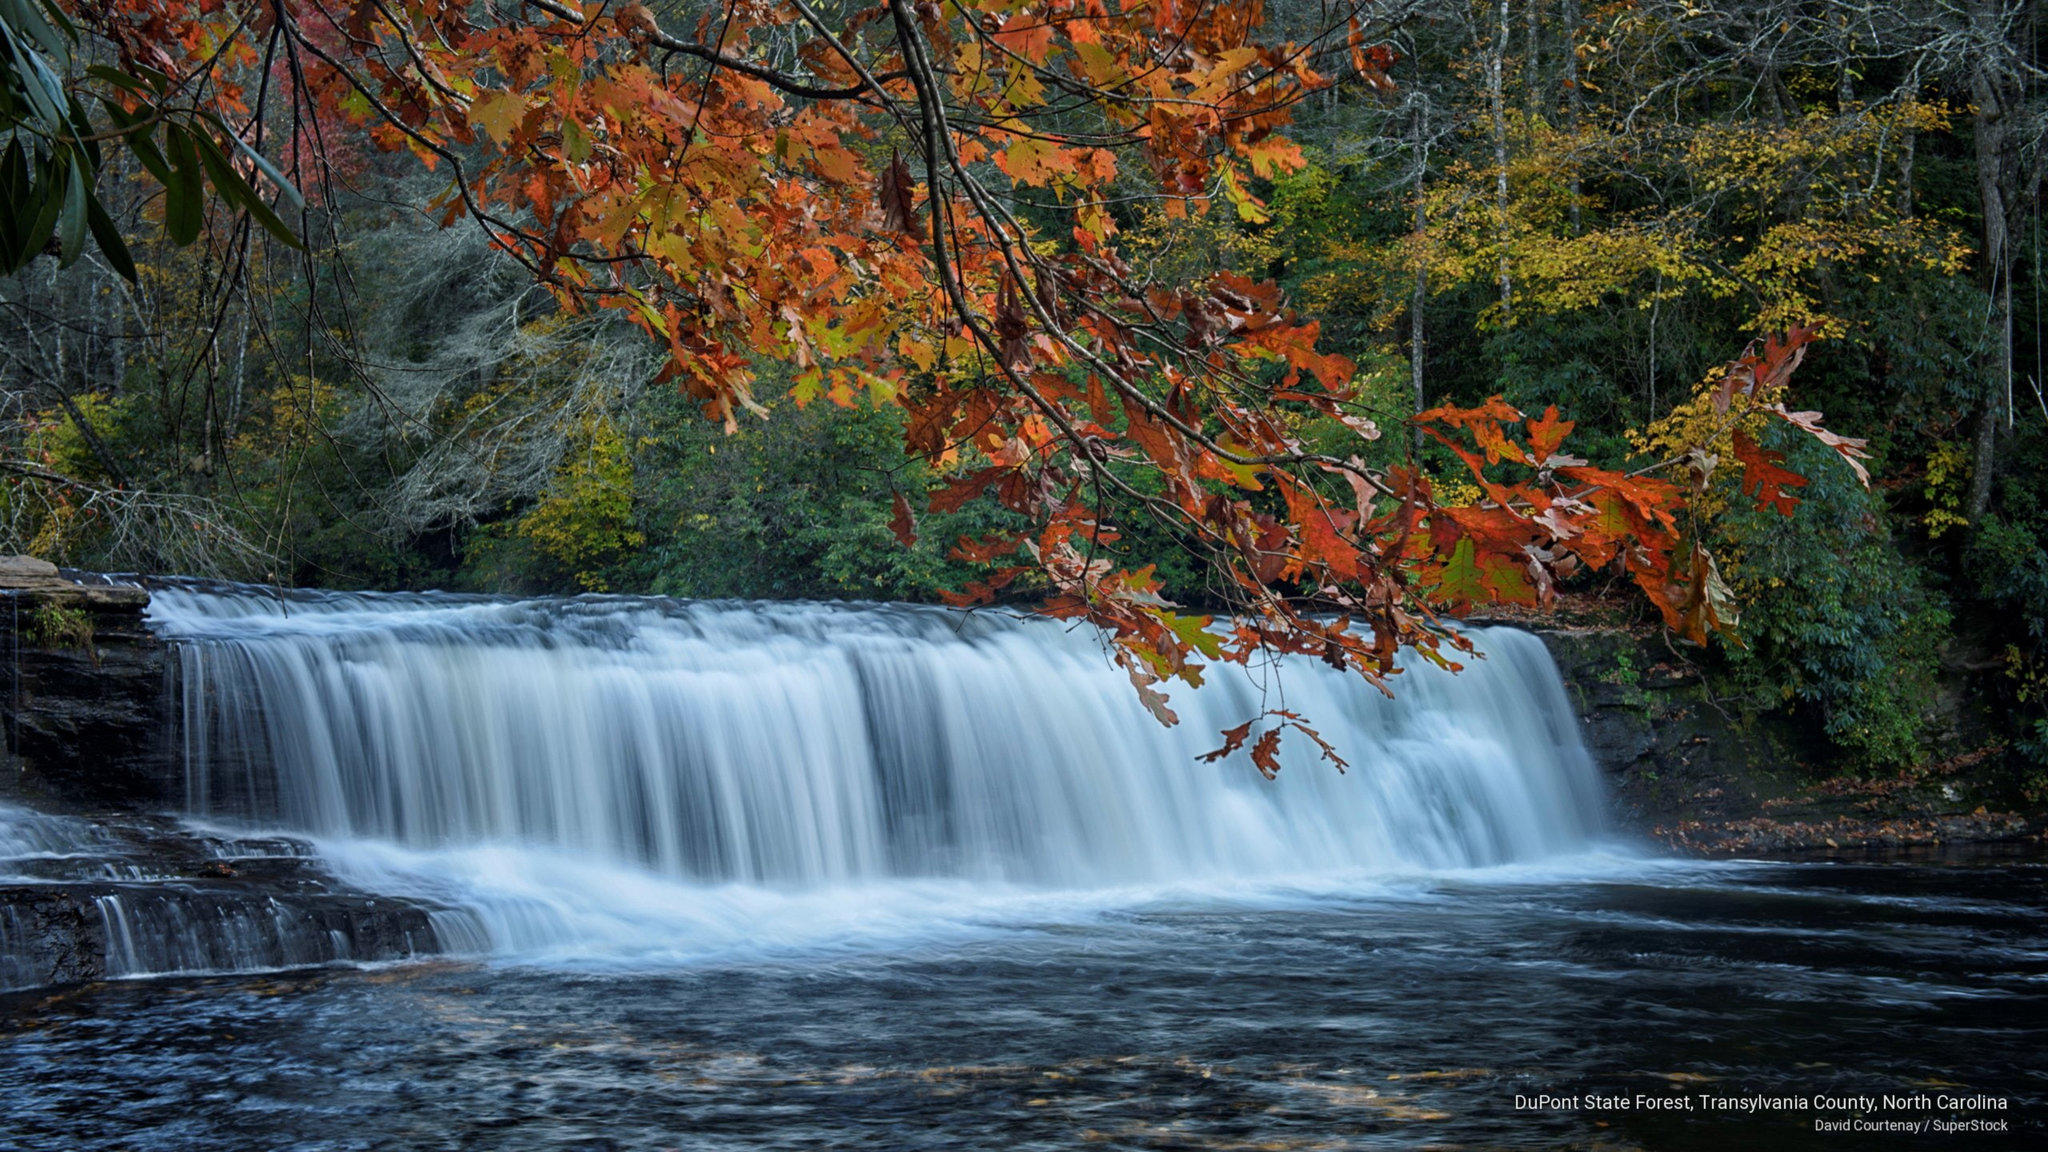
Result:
31,18
81,126
14,194
1194,632
34,80
140,143
1506,581
236,190
184,206
575,145
1459,583
285,188
117,78
45,194
71,218
112,246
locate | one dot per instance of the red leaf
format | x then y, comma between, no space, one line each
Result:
1266,753
903,524
899,202
1233,739
1763,479
1547,433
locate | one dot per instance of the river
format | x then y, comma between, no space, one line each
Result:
716,876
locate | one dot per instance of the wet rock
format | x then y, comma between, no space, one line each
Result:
83,700
91,897
1669,749
1709,780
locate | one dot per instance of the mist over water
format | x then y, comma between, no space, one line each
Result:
615,774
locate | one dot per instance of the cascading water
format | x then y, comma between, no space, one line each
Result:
573,772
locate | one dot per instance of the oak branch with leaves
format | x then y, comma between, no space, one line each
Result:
918,203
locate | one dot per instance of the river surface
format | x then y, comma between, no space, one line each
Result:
1360,1011
775,876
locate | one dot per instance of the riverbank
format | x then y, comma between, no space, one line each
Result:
1690,769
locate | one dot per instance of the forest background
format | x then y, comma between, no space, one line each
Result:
1561,202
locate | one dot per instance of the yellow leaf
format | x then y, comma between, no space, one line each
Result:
498,113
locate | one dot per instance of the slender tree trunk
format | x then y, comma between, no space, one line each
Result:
1572,99
1532,66
1419,294
1497,101
1656,306
1993,186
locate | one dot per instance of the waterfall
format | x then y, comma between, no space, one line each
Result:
814,746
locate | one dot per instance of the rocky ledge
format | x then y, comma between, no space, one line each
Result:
93,882
91,897
83,701
1696,774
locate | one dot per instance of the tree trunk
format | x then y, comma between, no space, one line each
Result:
1497,101
1572,100
1419,294
1994,180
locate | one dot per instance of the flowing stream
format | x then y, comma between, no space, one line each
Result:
722,876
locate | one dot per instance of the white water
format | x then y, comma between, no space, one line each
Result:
615,776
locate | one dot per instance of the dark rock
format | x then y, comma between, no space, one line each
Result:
83,697
85,898
1669,748
1710,779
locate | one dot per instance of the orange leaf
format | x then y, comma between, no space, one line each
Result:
903,524
1763,479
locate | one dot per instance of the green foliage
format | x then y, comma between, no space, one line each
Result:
2007,563
51,164
797,505
55,626
578,533
2007,557
1837,618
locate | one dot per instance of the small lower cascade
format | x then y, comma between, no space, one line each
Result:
132,895
629,777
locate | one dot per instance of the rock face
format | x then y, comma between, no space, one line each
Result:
1669,749
93,883
1709,781
92,897
82,696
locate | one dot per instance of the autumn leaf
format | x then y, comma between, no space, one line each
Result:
1266,753
1763,479
1547,433
498,113
1036,162
898,197
1851,450
1233,739
903,525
